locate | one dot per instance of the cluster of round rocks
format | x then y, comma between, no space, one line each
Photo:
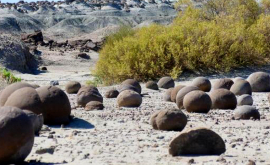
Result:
24,108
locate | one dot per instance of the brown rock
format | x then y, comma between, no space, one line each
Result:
129,98
241,87
94,105
175,91
87,94
16,135
166,83
134,83
197,101
113,93
223,83
153,120
37,120
246,112
259,82
151,85
200,141
181,94
55,105
223,99
167,95
202,83
73,87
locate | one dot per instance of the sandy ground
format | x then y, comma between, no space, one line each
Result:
124,136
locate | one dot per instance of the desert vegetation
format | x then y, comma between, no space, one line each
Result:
8,76
221,35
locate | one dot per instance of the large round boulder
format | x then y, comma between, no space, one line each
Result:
128,87
134,83
245,100
72,87
246,112
241,87
166,83
223,83
94,105
25,98
259,82
223,99
175,91
167,95
151,85
16,135
87,94
197,101
181,94
202,83
55,105
129,98
10,89
37,120
169,120
153,120
200,141
112,93
238,78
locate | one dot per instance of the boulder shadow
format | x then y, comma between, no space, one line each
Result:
77,123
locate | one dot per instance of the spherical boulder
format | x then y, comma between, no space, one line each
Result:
113,93
223,99
128,87
199,141
72,87
151,85
37,120
181,94
166,83
129,98
175,91
153,120
16,135
241,87
244,100
197,101
167,94
94,105
134,83
55,104
223,83
246,112
170,120
25,98
202,83
87,94
259,82
10,89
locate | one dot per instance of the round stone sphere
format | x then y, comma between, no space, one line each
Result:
10,89
223,83
55,104
197,101
223,99
259,82
198,141
171,120
124,87
134,83
37,120
202,83
166,83
246,112
129,98
72,87
113,93
238,78
153,120
245,100
87,94
241,87
151,85
181,94
25,98
167,95
94,105
16,135
175,91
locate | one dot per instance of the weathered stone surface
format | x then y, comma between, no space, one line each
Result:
73,87
129,98
241,87
87,94
223,99
246,112
166,83
200,141
181,94
197,101
202,83
94,105
223,83
245,100
167,95
151,85
175,91
259,82
113,93
134,83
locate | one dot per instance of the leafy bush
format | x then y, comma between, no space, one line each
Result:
224,34
8,76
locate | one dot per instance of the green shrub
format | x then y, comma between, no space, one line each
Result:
224,34
8,76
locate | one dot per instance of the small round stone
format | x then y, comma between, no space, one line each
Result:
167,95
134,83
223,99
166,83
87,94
197,101
223,83
94,105
181,94
113,93
245,100
175,91
151,85
241,87
72,87
202,83
246,112
129,98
